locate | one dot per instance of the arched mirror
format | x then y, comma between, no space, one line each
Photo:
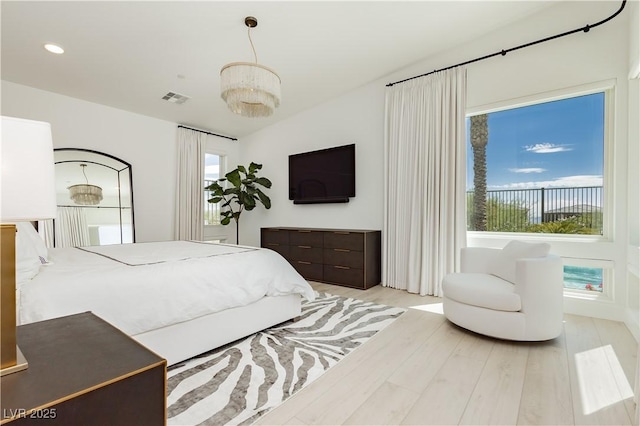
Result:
94,193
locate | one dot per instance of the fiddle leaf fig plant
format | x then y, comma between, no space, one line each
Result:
242,193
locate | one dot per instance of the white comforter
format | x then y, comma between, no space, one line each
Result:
145,286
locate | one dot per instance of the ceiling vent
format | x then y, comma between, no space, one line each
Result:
175,98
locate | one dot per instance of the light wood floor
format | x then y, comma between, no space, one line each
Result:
424,370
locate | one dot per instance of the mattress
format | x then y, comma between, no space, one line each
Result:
141,287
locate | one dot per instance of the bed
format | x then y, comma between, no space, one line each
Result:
178,298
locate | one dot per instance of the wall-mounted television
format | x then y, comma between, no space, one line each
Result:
323,176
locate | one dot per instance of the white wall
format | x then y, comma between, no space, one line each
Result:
633,275
354,118
358,117
148,144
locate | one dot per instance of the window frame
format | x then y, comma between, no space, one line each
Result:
218,231
607,293
572,248
608,176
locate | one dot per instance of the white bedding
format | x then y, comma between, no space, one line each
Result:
145,286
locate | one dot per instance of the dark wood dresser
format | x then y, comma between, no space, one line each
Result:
83,371
336,256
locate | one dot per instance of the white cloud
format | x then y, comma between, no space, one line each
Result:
547,148
528,170
566,181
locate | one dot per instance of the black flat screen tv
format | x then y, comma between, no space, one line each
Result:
324,176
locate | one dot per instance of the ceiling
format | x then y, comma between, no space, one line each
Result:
128,55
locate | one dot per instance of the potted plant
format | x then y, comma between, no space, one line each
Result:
243,193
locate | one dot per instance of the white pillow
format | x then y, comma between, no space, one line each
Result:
31,252
504,265
29,233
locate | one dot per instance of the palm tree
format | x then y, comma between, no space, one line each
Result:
479,140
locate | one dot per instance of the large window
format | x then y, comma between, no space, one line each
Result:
538,168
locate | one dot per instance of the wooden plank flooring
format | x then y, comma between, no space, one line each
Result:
424,370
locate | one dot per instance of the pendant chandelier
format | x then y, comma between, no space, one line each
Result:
85,194
248,88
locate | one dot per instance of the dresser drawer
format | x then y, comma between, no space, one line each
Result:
344,275
282,249
305,253
310,271
347,257
344,257
274,236
306,238
344,240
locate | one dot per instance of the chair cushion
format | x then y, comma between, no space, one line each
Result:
504,264
482,290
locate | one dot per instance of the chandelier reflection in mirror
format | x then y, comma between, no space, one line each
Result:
85,194
250,89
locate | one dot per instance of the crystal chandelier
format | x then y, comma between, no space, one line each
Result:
85,194
250,89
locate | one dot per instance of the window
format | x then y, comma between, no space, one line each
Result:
213,170
583,278
543,166
538,168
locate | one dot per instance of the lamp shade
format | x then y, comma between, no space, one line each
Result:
250,90
27,182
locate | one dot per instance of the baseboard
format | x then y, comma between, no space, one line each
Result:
589,307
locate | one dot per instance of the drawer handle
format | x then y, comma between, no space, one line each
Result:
342,232
341,267
343,250
304,263
273,244
304,247
302,231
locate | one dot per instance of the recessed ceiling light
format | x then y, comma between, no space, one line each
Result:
54,48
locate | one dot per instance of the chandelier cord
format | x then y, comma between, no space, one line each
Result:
84,166
252,47
250,89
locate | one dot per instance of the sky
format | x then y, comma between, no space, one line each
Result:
554,144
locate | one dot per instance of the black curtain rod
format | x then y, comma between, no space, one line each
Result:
503,52
208,133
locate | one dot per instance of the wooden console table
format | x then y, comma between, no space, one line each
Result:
336,256
83,371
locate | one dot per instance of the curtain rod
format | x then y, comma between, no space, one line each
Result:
503,52
208,133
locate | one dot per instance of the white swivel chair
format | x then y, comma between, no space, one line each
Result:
514,293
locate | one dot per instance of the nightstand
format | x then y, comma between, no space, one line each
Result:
83,371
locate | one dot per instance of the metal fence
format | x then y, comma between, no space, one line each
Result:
523,210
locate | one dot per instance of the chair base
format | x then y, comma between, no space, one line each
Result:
499,324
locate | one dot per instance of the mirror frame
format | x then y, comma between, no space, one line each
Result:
113,157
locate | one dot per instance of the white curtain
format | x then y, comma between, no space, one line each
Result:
71,227
424,181
189,211
45,229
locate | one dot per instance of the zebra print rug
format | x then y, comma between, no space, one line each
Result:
239,382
